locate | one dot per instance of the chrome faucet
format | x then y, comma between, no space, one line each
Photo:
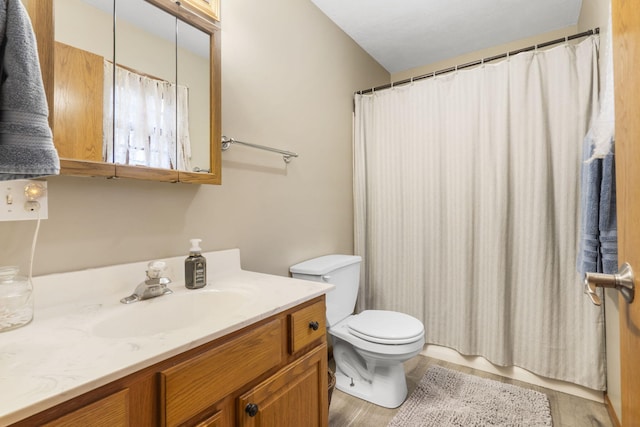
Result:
154,286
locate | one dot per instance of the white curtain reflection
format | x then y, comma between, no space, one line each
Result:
151,121
184,139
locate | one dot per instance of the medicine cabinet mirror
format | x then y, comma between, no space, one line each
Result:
133,87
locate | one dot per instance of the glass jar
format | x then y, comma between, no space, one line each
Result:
16,299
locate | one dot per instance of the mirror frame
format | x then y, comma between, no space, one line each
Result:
42,18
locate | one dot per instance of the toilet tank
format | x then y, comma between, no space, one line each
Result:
343,271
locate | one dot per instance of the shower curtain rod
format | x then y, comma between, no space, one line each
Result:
480,61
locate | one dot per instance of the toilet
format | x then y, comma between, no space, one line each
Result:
369,348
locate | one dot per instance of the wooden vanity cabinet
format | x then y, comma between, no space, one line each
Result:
272,373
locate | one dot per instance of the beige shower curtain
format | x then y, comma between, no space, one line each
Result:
466,209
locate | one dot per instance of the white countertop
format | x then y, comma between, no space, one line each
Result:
78,341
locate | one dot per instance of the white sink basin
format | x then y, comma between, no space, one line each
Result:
171,312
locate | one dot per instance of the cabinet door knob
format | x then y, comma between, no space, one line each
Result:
314,325
251,409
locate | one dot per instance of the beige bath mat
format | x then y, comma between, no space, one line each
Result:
446,398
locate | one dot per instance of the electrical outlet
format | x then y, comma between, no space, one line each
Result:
23,199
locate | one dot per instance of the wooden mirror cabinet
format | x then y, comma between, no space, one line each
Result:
76,79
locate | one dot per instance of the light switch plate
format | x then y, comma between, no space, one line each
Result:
13,201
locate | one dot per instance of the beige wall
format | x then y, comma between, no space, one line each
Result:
485,53
592,14
288,79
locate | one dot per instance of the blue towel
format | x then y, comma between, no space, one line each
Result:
26,144
598,252
608,225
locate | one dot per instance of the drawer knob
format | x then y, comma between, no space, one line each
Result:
251,409
314,325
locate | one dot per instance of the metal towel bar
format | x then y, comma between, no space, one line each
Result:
286,155
623,281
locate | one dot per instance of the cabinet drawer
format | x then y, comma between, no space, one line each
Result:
193,386
113,411
307,325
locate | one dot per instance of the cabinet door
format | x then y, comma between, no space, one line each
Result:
296,396
79,92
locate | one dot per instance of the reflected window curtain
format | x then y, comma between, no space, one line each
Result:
466,192
146,116
184,139
151,124
107,108
161,122
136,128
168,125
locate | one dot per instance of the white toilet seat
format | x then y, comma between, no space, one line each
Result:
342,331
385,327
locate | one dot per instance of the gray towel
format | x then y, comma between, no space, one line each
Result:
26,144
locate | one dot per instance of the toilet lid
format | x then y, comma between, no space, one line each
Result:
386,327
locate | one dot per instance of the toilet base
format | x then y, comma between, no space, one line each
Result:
388,387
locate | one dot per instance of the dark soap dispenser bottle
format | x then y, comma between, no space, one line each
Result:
195,267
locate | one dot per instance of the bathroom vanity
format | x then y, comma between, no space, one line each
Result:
249,349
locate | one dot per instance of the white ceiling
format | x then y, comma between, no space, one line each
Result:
410,33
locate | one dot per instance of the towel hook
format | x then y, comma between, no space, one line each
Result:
623,281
